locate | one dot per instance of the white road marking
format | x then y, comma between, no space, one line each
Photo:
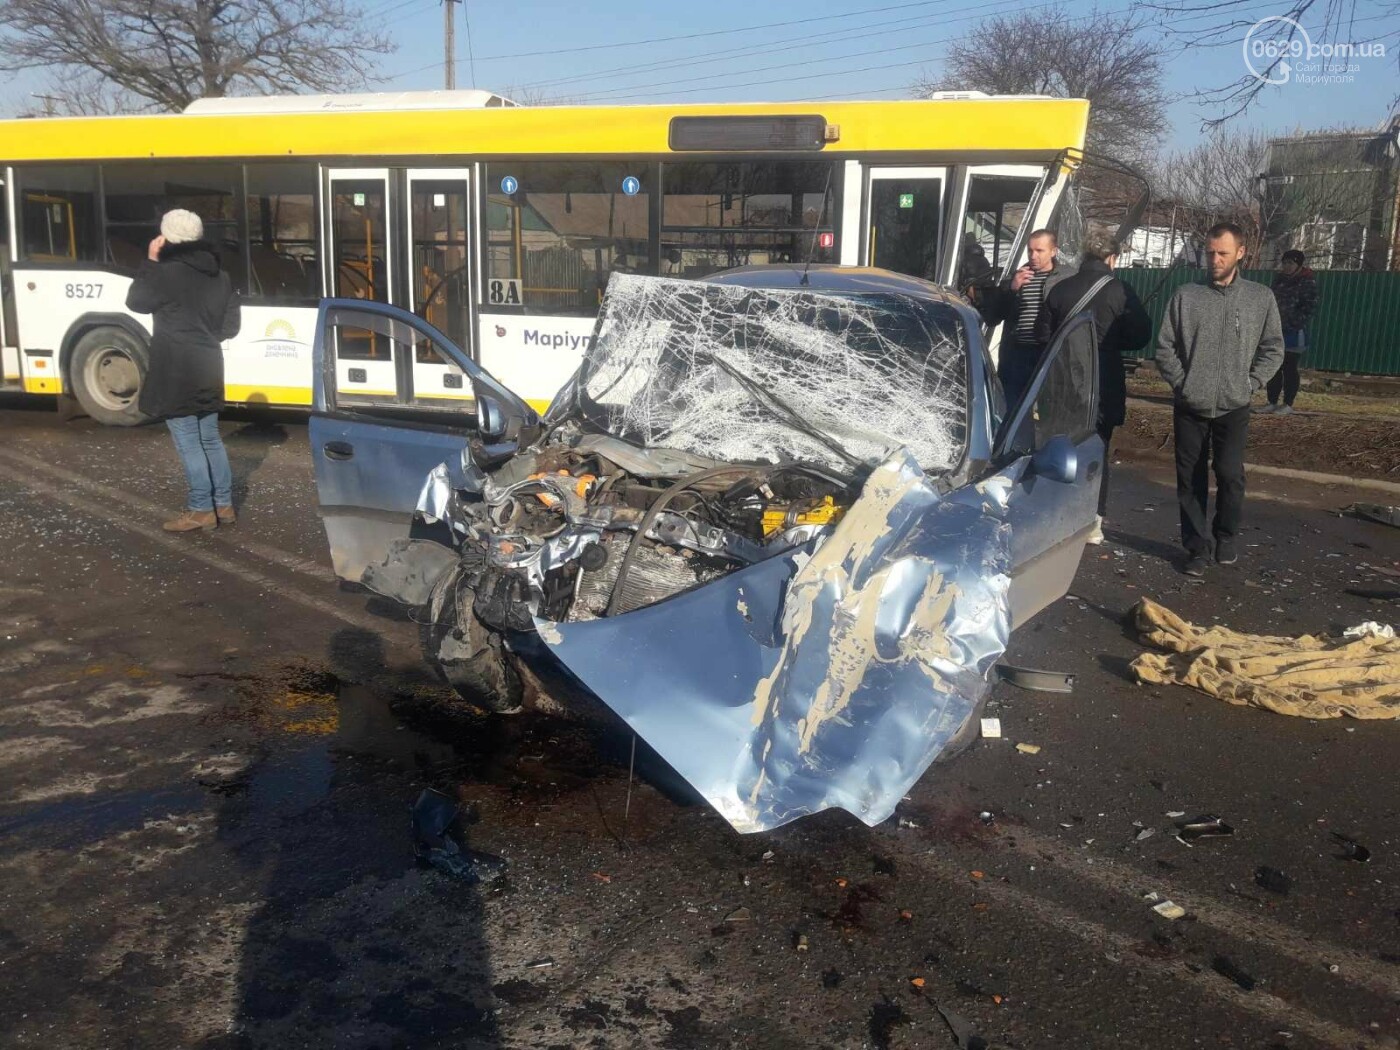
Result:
156,514
191,547
1123,880
1278,1012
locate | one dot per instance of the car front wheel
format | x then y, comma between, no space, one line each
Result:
468,654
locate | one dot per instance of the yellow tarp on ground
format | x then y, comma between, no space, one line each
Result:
1313,676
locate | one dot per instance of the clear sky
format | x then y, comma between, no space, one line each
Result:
596,50
573,49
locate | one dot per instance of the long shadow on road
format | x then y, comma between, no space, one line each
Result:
351,944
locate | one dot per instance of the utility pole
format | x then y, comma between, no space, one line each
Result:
449,45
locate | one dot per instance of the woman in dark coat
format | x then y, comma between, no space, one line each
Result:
195,310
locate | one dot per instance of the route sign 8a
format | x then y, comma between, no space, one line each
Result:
503,291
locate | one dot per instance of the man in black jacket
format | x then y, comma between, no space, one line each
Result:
1121,325
195,310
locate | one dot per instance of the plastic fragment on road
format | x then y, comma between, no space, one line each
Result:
1036,680
1204,827
1028,749
1226,968
1311,676
991,729
740,914
1370,629
964,1034
1351,849
432,818
1169,910
1377,512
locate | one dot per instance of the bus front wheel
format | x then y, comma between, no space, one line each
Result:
106,371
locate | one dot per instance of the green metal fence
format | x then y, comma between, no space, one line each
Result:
1357,327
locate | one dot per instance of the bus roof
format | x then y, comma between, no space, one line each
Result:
467,98
1030,128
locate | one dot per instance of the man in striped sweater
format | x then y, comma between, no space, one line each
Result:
1017,306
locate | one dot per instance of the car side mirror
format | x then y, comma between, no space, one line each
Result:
1056,460
491,419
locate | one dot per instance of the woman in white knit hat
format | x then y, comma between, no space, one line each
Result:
195,309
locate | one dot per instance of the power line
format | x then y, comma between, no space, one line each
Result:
713,32
467,25
729,54
982,10
615,96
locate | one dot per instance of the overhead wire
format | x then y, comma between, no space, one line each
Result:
692,36
982,10
726,54
620,95
467,26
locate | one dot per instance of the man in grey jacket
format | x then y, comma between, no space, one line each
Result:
1220,342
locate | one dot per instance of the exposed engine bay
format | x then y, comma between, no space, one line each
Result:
568,532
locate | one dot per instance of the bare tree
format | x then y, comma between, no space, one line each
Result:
537,96
1277,42
1101,57
127,55
1241,178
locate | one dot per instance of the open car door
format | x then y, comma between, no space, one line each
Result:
395,398
1049,444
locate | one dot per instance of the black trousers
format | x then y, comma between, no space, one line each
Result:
1016,368
1105,432
1286,380
1200,440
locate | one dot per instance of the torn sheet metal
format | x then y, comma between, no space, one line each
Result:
409,570
439,498
830,676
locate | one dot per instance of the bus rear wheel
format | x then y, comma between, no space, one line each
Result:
106,371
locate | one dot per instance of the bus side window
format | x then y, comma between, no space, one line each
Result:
137,195
996,207
553,241
57,206
284,264
718,215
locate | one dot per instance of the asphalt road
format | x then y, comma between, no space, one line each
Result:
208,751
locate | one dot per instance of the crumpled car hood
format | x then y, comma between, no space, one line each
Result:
830,676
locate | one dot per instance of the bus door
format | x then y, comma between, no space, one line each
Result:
9,330
440,275
360,265
904,209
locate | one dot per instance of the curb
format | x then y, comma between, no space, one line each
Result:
1390,487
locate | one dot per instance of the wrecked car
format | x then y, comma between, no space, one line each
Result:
780,521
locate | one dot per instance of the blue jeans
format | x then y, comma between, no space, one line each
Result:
205,461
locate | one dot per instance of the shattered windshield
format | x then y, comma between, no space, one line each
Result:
764,375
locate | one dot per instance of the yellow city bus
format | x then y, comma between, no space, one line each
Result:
498,223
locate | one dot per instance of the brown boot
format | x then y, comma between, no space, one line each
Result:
191,520
226,515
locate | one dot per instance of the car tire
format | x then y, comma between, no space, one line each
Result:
106,371
488,677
